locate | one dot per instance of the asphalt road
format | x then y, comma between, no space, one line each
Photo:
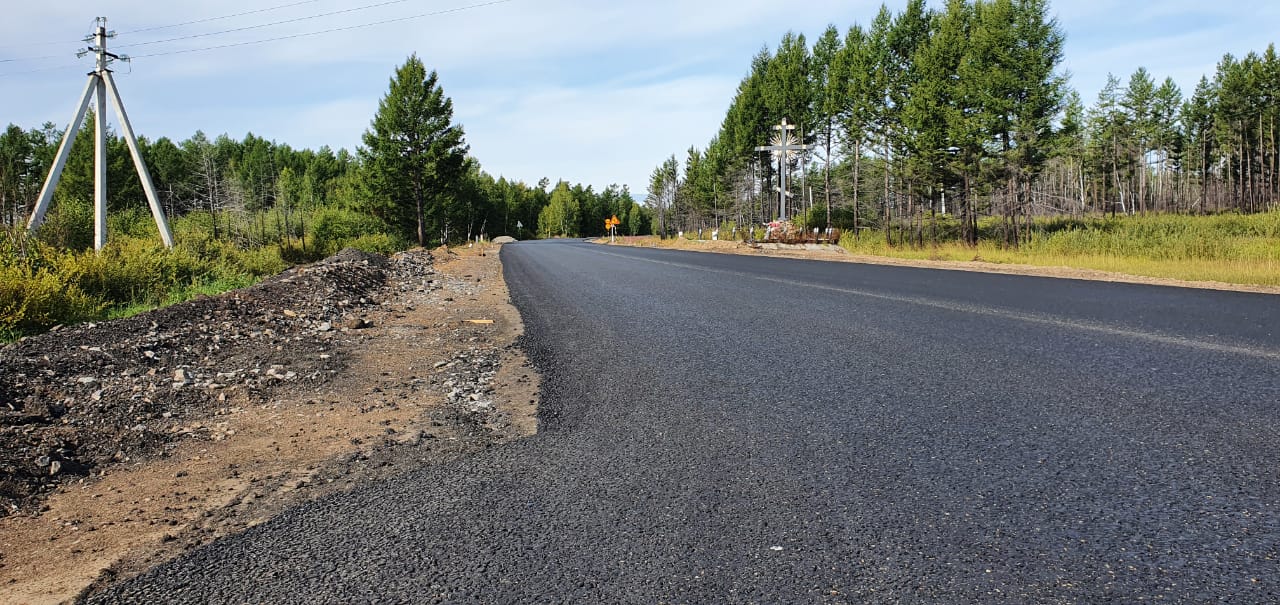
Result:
721,429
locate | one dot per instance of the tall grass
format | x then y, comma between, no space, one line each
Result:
1232,248
54,278
42,286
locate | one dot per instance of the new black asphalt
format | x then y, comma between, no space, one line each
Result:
723,429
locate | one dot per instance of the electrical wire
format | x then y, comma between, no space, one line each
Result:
41,58
326,31
209,19
38,70
155,28
279,38
262,25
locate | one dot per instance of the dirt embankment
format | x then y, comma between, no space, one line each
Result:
125,443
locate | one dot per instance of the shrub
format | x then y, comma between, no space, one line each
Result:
258,262
32,300
133,222
68,225
334,228
379,243
129,269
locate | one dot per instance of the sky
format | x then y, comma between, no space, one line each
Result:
590,91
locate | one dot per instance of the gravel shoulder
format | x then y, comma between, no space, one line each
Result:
128,443
837,254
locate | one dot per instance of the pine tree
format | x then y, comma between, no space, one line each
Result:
413,153
1039,96
787,92
934,104
664,185
17,174
857,109
1167,138
829,74
1139,101
1197,123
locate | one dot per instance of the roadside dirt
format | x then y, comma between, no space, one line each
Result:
835,253
312,383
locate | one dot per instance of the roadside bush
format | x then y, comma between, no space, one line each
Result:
33,300
133,222
379,243
129,269
258,262
68,225
335,228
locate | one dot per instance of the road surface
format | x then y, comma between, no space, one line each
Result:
724,429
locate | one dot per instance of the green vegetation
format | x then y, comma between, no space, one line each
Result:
42,286
959,118
245,209
1232,248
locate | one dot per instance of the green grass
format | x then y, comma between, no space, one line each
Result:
181,294
54,278
42,286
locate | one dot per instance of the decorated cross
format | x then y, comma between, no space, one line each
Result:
781,147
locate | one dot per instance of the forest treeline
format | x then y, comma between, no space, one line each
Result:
948,115
242,209
265,192
256,192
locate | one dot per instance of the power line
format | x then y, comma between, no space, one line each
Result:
262,25
207,20
158,27
35,44
146,29
327,31
41,58
38,70
279,38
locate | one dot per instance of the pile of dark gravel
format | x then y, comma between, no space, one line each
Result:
78,398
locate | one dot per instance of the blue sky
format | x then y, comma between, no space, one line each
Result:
588,91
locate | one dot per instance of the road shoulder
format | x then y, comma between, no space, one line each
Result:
432,373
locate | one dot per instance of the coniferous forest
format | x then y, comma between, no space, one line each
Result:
959,120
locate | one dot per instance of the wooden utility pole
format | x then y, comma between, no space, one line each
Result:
100,83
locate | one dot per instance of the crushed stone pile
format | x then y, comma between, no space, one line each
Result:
76,399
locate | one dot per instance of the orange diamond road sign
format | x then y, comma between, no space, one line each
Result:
615,220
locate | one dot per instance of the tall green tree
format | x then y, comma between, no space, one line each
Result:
857,110
1139,101
1197,123
829,74
414,153
560,217
934,106
664,186
18,173
787,92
